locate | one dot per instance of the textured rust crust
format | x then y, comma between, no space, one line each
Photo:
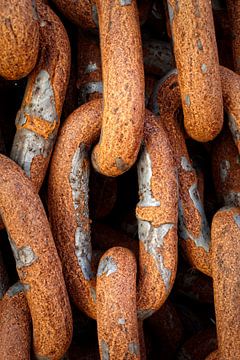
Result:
89,77
39,116
196,57
233,7
37,261
116,306
15,329
226,170
157,218
193,227
225,271
70,220
81,12
231,101
123,82
19,40
68,199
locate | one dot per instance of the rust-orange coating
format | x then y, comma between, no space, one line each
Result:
157,218
233,7
195,51
15,329
19,40
37,261
226,170
123,84
156,210
225,235
38,119
116,305
194,231
79,131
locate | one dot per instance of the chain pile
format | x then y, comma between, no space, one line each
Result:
120,180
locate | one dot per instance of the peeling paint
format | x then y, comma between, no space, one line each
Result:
236,218
24,256
95,15
203,240
79,182
121,321
107,266
185,164
27,145
170,12
17,288
187,100
42,103
199,44
144,169
104,351
91,67
89,88
133,348
232,198
120,164
233,126
125,2
93,294
153,240
204,68
224,167
144,313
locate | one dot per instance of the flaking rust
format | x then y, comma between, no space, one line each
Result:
37,262
225,234
123,83
195,51
38,119
157,218
116,306
15,330
193,227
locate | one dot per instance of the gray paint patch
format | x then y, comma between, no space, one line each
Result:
39,357
24,256
203,240
171,13
144,169
121,321
42,104
224,168
204,68
90,88
27,145
104,350
199,45
185,164
79,182
93,294
232,198
153,240
17,288
107,266
133,348
120,164
187,100
144,314
95,15
233,127
236,218
91,67
125,2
